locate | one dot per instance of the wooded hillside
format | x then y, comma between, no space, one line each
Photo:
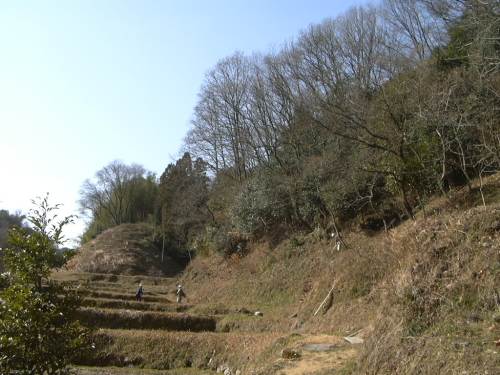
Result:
363,116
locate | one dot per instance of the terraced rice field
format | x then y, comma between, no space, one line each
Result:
159,336
109,306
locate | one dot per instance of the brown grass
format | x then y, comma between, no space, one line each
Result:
425,295
168,350
122,296
442,300
127,249
129,319
132,305
426,289
133,371
288,281
109,279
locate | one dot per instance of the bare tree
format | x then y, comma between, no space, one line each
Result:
221,113
206,138
416,30
110,191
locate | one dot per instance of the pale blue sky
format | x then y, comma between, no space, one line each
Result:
83,83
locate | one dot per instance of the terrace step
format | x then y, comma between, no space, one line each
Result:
82,277
114,303
122,296
168,350
133,319
125,289
137,371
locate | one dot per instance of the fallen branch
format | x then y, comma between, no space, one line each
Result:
326,299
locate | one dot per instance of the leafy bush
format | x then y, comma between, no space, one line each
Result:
222,240
39,333
4,280
38,330
261,204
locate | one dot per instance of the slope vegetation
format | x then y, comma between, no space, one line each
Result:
127,249
427,289
422,298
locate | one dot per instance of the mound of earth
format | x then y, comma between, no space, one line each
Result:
127,249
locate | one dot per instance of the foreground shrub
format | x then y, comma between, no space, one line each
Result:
39,333
38,330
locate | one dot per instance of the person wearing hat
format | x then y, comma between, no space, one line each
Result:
140,292
180,293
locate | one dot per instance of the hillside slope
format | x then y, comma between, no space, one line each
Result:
428,288
424,296
127,249
441,301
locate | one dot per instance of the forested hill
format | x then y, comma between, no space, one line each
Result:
365,117
335,209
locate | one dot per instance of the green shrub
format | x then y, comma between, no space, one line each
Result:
38,330
39,333
261,205
4,280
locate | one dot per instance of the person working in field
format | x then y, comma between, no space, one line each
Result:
140,292
180,293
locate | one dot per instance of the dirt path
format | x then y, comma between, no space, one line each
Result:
318,354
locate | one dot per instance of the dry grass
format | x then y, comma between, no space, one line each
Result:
106,279
169,350
127,249
287,284
425,294
105,303
426,289
124,289
442,300
122,296
129,319
134,371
